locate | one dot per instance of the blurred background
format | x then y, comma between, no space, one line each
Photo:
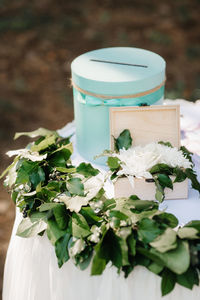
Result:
39,40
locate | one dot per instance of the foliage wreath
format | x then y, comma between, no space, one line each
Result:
69,204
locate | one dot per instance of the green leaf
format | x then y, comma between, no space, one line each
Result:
109,204
122,235
61,216
65,170
117,214
124,252
165,181
113,163
124,140
159,196
148,230
38,187
195,224
14,196
155,268
23,174
127,270
60,158
9,167
109,249
37,176
30,171
188,233
54,233
180,175
98,265
86,255
54,186
45,143
100,194
166,218
31,226
166,241
168,144
101,258
87,170
61,248
193,177
160,168
127,207
75,186
145,253
113,176
189,278
36,133
186,153
89,215
177,260
131,244
135,197
46,195
47,206
142,205
80,228
67,146
159,192
84,258
168,282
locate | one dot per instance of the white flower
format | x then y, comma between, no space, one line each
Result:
91,188
29,194
123,223
11,177
137,161
27,153
96,205
95,236
78,247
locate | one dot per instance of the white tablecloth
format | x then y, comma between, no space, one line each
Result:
31,271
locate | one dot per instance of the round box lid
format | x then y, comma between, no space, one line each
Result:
118,71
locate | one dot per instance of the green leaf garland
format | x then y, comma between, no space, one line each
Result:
124,231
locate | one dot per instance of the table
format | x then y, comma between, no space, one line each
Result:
31,271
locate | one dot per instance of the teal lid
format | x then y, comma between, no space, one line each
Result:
118,71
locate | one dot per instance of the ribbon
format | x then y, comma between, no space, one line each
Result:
106,97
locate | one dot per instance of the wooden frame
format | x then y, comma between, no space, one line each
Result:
146,124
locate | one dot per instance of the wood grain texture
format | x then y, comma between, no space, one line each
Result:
146,124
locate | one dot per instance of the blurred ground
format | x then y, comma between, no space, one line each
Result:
39,39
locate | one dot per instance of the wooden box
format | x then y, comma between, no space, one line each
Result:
147,124
146,190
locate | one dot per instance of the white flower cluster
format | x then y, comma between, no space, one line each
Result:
77,247
11,177
137,161
95,236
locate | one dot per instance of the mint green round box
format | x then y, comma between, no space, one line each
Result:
99,79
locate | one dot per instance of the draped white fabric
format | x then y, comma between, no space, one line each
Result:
31,271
